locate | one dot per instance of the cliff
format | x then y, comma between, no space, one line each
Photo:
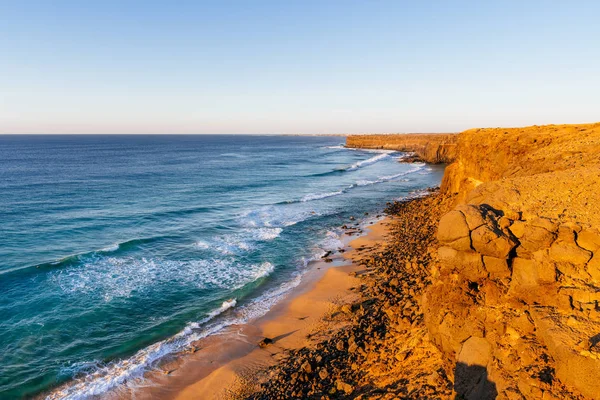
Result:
516,283
431,148
487,289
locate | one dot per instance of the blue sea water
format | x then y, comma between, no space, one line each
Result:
118,250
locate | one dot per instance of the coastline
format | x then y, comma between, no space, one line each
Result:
383,350
445,311
185,359
228,364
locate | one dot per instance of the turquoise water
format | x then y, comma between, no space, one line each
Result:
118,250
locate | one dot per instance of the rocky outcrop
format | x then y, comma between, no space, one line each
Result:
516,285
485,155
431,148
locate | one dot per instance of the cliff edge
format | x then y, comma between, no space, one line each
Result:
431,148
516,284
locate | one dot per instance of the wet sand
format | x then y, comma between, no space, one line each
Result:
229,362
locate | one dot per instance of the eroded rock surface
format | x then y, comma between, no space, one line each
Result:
431,148
526,287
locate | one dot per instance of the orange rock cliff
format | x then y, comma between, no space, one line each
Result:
515,288
431,148
517,282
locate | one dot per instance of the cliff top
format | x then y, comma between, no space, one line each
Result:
551,171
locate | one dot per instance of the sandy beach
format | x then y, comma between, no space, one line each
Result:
230,363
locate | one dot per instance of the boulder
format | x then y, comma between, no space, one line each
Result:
535,238
323,374
518,228
467,263
265,342
567,251
492,242
453,231
544,223
306,367
530,273
573,367
497,267
593,267
589,239
470,265
473,215
343,386
475,351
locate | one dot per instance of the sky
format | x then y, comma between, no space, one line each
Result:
296,66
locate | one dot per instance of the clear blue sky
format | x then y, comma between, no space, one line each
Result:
296,66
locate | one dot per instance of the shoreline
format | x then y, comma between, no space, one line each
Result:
383,350
228,361
177,370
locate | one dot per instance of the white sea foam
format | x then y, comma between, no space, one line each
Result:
227,304
201,244
227,245
317,196
113,374
235,244
265,234
275,217
369,161
343,147
332,241
364,182
102,378
111,248
110,277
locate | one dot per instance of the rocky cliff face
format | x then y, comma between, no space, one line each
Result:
516,285
431,148
484,155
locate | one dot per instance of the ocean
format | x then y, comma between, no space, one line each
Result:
118,250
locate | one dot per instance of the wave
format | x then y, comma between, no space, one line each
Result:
381,154
342,146
318,196
369,161
235,244
74,259
364,182
111,248
100,378
266,234
327,173
332,241
109,278
388,178
275,216
226,305
104,377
